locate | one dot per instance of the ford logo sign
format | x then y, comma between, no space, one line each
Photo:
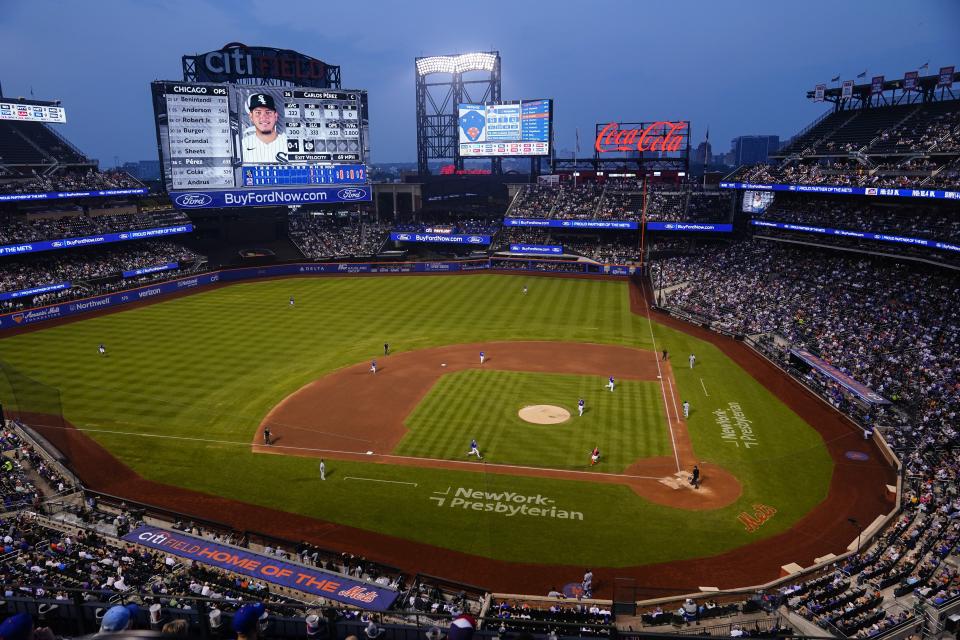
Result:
475,240
403,236
193,200
351,194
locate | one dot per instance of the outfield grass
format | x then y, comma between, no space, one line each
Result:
626,425
187,382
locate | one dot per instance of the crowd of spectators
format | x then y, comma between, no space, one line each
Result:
465,226
606,248
74,224
89,271
87,179
902,174
893,326
921,220
327,237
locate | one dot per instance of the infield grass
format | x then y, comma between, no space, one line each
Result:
626,424
187,381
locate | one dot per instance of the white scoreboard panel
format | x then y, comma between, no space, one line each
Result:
199,144
32,112
323,126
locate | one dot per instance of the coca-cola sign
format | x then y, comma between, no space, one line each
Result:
661,136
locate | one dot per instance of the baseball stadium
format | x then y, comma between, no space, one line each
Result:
264,386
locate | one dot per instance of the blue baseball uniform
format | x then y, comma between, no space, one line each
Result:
610,383
474,449
580,405
481,357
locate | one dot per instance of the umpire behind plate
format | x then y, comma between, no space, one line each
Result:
263,143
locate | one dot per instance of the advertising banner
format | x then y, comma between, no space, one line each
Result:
541,249
690,226
449,238
270,197
154,269
846,89
69,243
818,92
850,233
35,291
570,224
860,390
876,85
945,77
271,569
58,195
855,191
910,80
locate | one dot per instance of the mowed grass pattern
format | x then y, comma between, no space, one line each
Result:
626,424
187,382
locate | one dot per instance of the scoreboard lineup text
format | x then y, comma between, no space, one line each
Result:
200,125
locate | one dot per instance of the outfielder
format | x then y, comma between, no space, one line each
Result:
291,301
323,469
693,359
686,409
580,405
102,349
595,456
524,289
610,384
474,449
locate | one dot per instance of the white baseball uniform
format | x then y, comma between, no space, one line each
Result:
255,151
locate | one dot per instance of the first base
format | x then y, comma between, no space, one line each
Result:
369,453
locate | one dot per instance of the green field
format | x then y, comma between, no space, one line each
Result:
627,425
187,382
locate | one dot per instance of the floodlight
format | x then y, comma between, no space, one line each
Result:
456,64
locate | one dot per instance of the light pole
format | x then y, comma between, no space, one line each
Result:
856,524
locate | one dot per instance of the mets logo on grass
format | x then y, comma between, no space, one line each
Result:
506,503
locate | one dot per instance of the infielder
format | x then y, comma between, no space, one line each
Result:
524,289
580,405
266,436
610,384
595,456
102,349
373,367
474,449
693,359
323,469
263,143
686,409
482,356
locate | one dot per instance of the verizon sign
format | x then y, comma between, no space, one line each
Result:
662,136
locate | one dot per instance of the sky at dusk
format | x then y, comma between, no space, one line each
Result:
738,67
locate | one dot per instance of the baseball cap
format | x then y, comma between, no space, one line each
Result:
245,620
117,618
260,100
17,627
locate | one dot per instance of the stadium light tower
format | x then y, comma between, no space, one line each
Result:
437,102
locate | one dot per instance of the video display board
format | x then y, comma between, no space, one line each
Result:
757,201
228,136
26,112
513,128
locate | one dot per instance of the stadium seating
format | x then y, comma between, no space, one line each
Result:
327,237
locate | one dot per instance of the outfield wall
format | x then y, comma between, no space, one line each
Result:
99,303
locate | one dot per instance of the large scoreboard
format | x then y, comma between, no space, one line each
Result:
218,137
514,128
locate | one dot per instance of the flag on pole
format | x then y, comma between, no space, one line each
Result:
835,79
578,139
862,75
925,65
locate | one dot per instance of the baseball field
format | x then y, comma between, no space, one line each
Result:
174,413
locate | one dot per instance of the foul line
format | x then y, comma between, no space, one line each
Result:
265,448
704,388
378,480
663,390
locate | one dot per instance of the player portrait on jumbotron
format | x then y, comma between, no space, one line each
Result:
264,141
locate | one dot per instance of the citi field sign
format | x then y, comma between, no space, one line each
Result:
237,61
661,136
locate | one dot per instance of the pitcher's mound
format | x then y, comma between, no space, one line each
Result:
544,414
